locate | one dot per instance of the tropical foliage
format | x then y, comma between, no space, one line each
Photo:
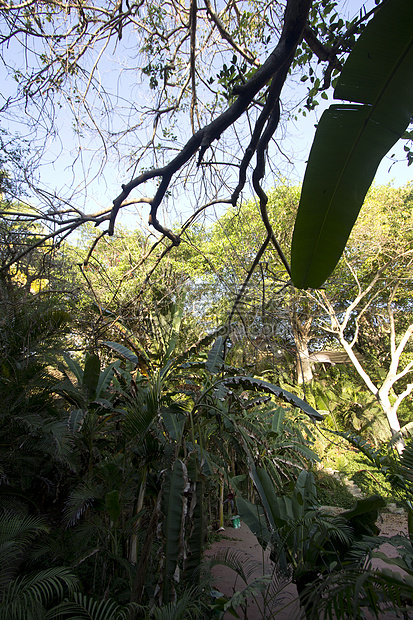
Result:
133,420
352,139
150,388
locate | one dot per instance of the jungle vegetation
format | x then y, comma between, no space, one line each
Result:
138,395
148,376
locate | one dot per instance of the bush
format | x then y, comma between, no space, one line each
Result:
331,491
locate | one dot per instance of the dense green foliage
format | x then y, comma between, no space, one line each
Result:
150,389
129,416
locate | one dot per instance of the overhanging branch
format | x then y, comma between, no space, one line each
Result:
295,18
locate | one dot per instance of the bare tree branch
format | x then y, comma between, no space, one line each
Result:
276,66
225,35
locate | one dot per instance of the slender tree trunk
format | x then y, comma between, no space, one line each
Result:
303,365
301,331
382,394
221,504
145,557
133,541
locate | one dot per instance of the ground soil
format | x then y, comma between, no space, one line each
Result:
280,600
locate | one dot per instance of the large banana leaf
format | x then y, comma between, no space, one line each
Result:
196,348
123,351
279,510
91,376
215,359
173,508
174,418
74,367
105,378
254,517
197,520
258,385
282,513
176,320
352,139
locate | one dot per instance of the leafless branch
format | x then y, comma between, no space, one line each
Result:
275,67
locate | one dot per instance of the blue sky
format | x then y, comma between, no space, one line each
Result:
62,151
391,170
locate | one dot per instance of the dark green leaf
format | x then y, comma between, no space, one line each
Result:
113,505
173,499
352,139
105,378
215,359
91,375
123,351
258,385
74,368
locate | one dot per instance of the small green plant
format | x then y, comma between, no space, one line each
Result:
331,491
351,463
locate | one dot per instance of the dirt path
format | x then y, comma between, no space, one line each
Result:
280,601
244,548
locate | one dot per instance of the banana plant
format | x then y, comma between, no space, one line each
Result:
156,410
90,388
351,140
196,414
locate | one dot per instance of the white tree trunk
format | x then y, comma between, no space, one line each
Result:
382,394
303,364
301,331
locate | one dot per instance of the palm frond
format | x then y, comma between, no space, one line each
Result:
79,501
26,597
187,607
138,419
16,533
348,593
240,562
84,607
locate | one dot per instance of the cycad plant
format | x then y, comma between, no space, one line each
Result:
348,592
307,543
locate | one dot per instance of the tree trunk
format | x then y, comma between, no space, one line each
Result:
303,365
301,331
221,504
382,394
391,415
